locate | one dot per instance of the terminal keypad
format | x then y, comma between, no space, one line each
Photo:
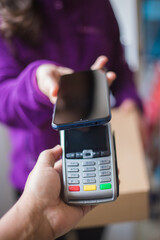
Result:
88,171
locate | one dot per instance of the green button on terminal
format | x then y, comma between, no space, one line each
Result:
105,186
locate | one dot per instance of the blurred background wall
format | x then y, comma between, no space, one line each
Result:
126,12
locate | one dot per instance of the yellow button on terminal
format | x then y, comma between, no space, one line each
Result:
89,187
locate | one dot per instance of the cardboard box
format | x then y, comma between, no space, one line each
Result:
132,203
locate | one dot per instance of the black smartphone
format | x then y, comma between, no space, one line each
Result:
83,100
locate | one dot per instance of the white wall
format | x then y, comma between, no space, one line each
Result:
126,14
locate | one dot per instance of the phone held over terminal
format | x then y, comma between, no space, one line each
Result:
90,173
83,100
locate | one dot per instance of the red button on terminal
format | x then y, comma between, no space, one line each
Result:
74,188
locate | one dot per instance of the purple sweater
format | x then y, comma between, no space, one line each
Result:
75,33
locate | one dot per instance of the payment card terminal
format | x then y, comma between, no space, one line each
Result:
90,173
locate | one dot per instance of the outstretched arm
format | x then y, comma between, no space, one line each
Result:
40,213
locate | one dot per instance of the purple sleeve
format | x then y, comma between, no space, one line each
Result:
22,105
124,86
